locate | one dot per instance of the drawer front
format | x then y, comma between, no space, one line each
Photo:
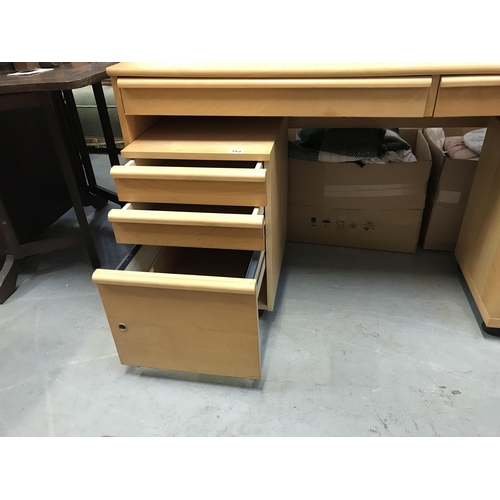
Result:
356,97
202,323
468,96
144,226
197,185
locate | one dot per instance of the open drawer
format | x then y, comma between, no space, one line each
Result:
199,184
210,226
186,309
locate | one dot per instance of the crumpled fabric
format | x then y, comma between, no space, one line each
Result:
401,156
456,149
369,145
436,135
474,140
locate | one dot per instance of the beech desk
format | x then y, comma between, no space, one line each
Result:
209,142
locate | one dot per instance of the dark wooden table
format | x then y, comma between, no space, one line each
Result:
64,77
41,181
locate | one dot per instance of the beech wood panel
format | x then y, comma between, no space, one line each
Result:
478,246
279,83
468,96
187,229
206,138
188,323
276,213
299,69
210,186
277,102
131,126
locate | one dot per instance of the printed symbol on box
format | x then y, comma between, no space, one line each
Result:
353,225
340,224
326,222
313,220
369,224
237,151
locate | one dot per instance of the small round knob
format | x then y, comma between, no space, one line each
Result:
122,327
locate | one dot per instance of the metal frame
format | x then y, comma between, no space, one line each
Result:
79,140
67,135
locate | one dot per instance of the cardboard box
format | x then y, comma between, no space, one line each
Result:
450,183
377,206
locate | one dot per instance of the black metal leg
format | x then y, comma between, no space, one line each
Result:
105,123
8,277
98,196
51,101
79,136
72,154
91,194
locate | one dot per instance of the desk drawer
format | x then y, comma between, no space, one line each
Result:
352,97
468,96
186,309
241,228
191,184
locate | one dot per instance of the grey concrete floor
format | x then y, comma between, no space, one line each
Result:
361,343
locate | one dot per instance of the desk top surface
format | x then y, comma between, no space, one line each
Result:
299,70
64,77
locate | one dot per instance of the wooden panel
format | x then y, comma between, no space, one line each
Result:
201,138
186,229
171,173
478,246
299,69
432,96
277,102
276,213
470,81
201,332
210,186
133,126
32,185
468,96
180,322
280,83
209,193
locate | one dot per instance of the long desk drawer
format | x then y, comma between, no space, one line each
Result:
468,96
350,97
191,184
186,309
241,228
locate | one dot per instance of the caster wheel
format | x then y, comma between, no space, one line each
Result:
491,331
261,312
97,202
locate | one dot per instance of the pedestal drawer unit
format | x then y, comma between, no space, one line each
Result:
206,209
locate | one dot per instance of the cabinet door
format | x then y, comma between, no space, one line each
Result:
186,309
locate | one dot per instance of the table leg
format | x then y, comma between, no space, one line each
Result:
107,130
8,276
95,198
11,263
55,120
101,195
